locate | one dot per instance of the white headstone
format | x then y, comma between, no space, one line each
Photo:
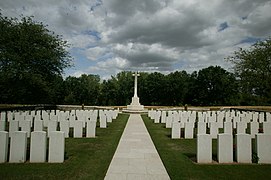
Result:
243,148
78,129
38,125
241,127
52,126
65,127
3,146
225,148
56,147
163,117
102,121
204,148
254,129
201,128
189,130
13,126
25,126
228,127
176,130
169,122
18,146
214,129
3,116
263,148
267,127
38,147
2,125
91,129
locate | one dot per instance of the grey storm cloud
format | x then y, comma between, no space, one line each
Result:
148,35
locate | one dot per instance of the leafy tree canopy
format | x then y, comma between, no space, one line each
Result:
253,68
31,59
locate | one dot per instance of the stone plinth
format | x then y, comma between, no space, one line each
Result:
135,105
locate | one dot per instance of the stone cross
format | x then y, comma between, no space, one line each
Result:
136,74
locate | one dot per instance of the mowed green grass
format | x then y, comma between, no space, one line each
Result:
179,156
87,158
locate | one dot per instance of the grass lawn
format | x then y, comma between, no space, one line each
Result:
179,157
87,158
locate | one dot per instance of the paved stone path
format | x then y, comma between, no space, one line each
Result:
136,156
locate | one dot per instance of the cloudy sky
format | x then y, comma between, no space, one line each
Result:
109,36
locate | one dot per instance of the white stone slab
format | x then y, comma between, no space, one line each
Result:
204,148
176,130
169,122
255,117
52,126
91,129
3,146
38,125
65,127
157,117
241,127
263,148
225,148
13,126
214,129
163,117
18,146
103,123
10,116
3,116
268,117
189,130
38,147
227,127
56,147
78,129
254,129
201,128
261,117
25,126
243,148
267,127
2,125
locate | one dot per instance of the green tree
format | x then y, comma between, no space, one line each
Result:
253,68
82,90
31,59
125,87
177,83
215,86
154,92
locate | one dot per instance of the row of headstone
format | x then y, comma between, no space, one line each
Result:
186,120
38,147
209,116
53,122
225,148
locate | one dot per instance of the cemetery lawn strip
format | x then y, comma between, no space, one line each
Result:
86,158
179,158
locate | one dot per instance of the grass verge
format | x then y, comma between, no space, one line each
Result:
178,155
87,158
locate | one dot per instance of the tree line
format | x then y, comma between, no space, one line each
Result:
32,60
